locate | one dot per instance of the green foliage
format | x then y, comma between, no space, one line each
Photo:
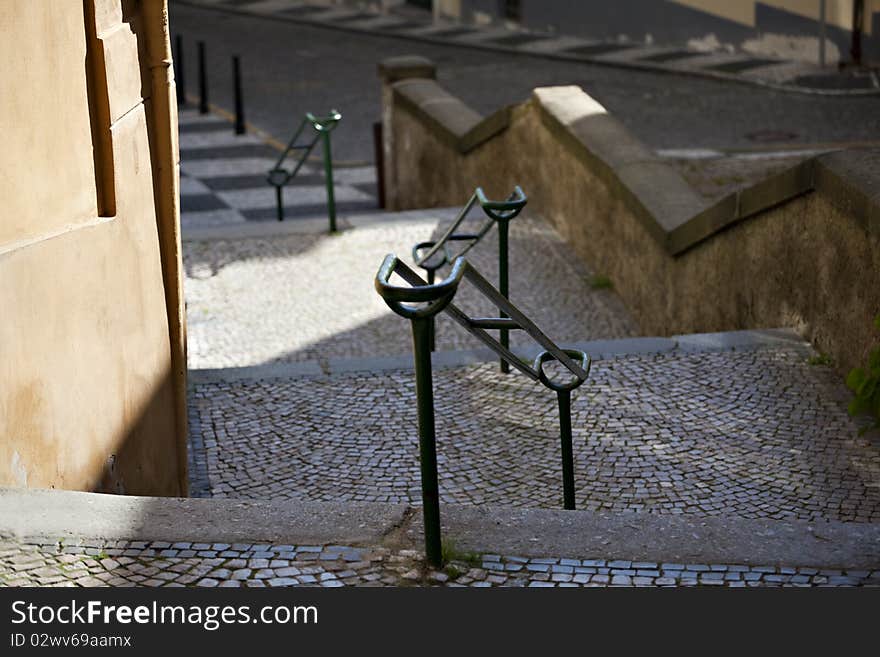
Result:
453,571
448,553
601,282
821,359
865,384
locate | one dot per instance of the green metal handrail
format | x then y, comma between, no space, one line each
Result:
499,214
278,176
420,302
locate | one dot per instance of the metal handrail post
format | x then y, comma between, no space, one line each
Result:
564,399
421,329
279,202
405,302
328,176
203,80
432,340
503,286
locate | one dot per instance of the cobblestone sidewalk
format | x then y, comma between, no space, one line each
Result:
311,297
165,564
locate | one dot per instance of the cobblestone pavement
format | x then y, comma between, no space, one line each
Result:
750,434
159,563
305,297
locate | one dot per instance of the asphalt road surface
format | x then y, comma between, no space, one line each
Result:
290,68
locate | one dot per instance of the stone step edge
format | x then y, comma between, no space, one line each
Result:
38,515
597,349
311,225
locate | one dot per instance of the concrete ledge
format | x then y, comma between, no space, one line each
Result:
450,119
393,69
70,514
740,340
851,179
270,371
310,226
655,191
659,538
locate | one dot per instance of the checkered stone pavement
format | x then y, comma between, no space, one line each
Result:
166,564
223,179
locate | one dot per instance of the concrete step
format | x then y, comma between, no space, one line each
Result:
72,515
72,538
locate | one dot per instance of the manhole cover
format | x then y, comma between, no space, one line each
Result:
769,136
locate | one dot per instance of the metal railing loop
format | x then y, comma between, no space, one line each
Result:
577,378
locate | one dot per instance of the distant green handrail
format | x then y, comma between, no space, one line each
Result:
278,176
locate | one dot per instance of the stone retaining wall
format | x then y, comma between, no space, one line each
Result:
799,249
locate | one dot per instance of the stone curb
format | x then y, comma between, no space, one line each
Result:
658,538
311,225
597,349
69,515
648,67
58,514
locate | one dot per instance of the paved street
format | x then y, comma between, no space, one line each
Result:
165,564
291,69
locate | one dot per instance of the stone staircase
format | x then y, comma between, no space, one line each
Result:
712,459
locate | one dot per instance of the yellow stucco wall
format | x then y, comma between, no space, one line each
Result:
89,398
837,12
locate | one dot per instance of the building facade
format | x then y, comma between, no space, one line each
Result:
788,28
92,356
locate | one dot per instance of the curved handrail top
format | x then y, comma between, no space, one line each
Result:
417,293
324,123
499,210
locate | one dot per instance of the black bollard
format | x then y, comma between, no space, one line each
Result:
203,81
379,156
179,72
239,103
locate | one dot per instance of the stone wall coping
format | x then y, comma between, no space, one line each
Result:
457,124
393,69
670,210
